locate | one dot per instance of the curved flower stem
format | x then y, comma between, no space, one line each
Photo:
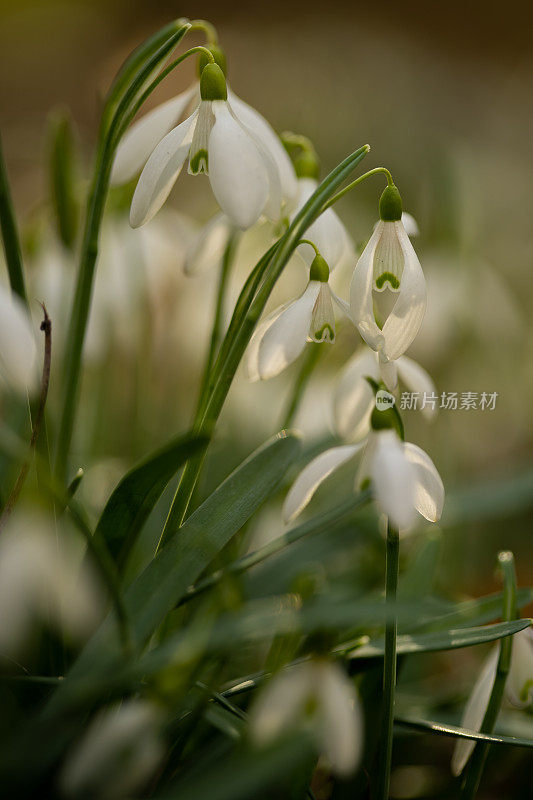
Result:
216,333
356,182
302,379
10,237
389,669
246,317
207,27
46,327
476,765
118,108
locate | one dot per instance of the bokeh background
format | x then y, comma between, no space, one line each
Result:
442,92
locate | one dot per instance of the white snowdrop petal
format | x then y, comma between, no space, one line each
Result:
354,399
198,156
283,341
416,379
389,373
160,172
322,327
238,171
519,686
143,136
271,142
280,704
313,475
388,259
410,224
405,319
341,719
428,488
18,351
251,363
393,480
361,300
475,711
207,248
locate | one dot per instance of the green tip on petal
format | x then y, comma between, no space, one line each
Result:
219,56
213,83
319,269
390,205
199,163
307,165
387,277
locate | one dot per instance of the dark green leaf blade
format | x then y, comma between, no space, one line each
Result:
442,640
139,490
460,733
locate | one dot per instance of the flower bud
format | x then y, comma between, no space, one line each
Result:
319,269
390,205
213,83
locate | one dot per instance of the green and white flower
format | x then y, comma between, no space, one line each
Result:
403,478
318,695
388,290
280,338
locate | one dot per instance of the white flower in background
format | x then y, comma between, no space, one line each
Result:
243,171
353,400
281,337
518,691
119,752
327,232
318,694
207,247
403,478
388,279
43,580
18,351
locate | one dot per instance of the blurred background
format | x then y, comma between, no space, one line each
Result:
443,95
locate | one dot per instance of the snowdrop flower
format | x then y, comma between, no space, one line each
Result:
119,752
18,351
41,580
243,176
388,270
207,247
403,478
318,694
354,398
281,337
518,691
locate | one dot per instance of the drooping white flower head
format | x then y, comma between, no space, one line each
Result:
41,582
335,718
388,266
18,351
119,752
403,478
243,176
354,399
280,338
518,691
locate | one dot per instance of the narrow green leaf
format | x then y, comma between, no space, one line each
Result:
442,640
443,729
137,493
165,580
474,612
62,155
